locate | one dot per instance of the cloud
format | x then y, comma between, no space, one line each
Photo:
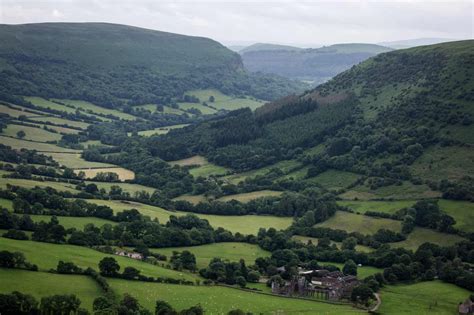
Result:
280,21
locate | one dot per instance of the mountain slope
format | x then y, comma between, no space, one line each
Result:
267,47
113,64
316,65
386,118
408,43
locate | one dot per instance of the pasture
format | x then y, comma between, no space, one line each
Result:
245,224
220,300
47,255
30,145
389,207
204,167
229,251
122,173
352,222
40,284
397,192
421,235
166,109
362,272
246,197
222,101
75,161
461,211
334,179
160,130
433,297
73,222
60,121
127,187
94,109
15,112
31,133
27,183
194,160
194,199
314,241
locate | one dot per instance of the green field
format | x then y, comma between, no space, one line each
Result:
246,197
160,131
403,192
314,241
222,101
166,109
87,106
229,251
61,121
75,161
450,163
379,206
40,284
194,160
461,211
44,103
285,166
15,112
205,110
433,297
123,173
204,168
352,222
26,183
299,174
334,179
194,199
421,235
74,222
5,203
31,133
47,255
220,300
362,272
245,224
126,187
38,146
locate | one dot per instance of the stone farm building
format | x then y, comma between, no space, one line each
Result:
322,284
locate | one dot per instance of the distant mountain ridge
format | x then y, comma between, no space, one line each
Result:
408,43
317,65
113,64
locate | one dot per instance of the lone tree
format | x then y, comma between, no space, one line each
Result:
362,294
212,98
21,134
109,267
350,268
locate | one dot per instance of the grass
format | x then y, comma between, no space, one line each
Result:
461,211
299,174
351,222
401,192
122,173
76,161
44,103
220,300
87,106
285,166
421,235
434,297
31,133
130,188
205,168
205,110
47,255
222,101
192,199
73,222
246,197
314,240
13,112
246,224
362,272
42,147
41,284
61,121
334,179
160,131
389,207
166,109
26,183
450,163
229,251
5,203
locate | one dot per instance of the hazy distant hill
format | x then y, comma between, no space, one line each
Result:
317,65
267,47
401,44
111,64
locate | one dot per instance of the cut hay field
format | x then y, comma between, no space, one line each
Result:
403,192
41,284
285,166
433,297
461,211
94,109
38,146
47,255
73,222
379,206
31,133
205,168
15,112
421,235
334,179
229,251
314,241
26,183
246,197
160,131
75,161
352,222
246,224
220,300
122,173
444,163
222,101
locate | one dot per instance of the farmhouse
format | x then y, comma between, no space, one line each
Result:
319,283
466,308
132,255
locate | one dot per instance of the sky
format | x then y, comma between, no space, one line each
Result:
308,23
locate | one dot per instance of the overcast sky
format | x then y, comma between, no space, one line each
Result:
305,23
